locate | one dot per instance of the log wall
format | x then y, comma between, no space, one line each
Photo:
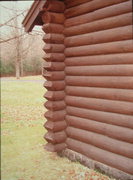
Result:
54,65
99,81
89,72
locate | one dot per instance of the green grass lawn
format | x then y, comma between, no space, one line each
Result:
22,143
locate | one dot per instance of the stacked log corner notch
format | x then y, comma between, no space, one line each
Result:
53,27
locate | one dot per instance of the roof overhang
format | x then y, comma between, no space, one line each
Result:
33,17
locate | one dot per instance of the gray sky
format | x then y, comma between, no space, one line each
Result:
6,14
20,5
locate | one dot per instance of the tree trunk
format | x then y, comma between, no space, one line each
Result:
18,55
18,59
21,68
17,69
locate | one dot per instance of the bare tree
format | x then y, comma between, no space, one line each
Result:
16,34
19,42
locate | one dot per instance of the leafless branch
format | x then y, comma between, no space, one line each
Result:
9,8
37,32
13,18
3,41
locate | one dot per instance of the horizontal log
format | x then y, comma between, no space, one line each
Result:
71,3
113,131
55,105
100,116
55,6
54,48
54,75
109,11
111,159
54,85
89,7
110,35
54,66
98,81
108,59
54,95
104,48
57,57
100,104
56,147
102,24
50,17
53,38
103,93
55,138
101,141
53,28
102,70
55,115
55,126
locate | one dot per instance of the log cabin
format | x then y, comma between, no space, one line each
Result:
89,80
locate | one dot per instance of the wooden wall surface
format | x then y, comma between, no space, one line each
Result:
89,63
99,80
53,27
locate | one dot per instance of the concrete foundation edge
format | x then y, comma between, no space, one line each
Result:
112,172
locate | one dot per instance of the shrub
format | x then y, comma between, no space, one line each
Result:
7,67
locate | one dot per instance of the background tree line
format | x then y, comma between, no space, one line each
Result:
21,53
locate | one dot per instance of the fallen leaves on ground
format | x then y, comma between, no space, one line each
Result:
23,154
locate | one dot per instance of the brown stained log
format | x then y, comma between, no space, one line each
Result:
110,35
102,70
54,75
55,115
113,131
111,159
54,85
55,6
100,116
54,66
98,81
55,138
55,126
101,141
54,95
53,38
55,147
53,28
110,11
57,57
50,17
104,48
108,59
89,7
71,3
55,105
54,48
102,24
103,93
100,104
